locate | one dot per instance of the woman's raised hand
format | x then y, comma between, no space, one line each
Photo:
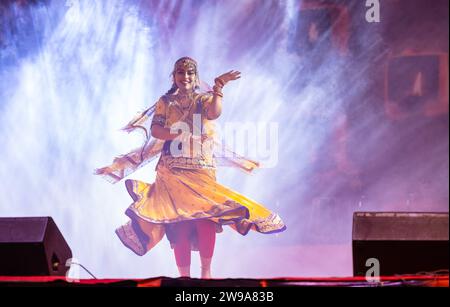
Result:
229,76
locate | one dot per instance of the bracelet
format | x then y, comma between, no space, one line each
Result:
217,91
220,82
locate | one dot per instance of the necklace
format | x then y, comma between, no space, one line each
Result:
189,95
182,98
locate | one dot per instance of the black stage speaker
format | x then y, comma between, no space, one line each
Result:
402,242
32,246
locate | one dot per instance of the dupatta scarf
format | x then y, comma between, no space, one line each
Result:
126,164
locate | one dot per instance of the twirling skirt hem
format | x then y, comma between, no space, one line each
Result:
229,211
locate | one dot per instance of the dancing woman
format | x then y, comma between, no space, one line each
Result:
185,202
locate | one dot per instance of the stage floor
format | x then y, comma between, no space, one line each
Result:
386,281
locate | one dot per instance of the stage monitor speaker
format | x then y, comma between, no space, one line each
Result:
32,246
401,242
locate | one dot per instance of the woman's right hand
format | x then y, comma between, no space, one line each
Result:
229,76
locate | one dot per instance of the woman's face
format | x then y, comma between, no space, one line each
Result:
185,79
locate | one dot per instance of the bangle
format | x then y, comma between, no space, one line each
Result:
217,91
219,82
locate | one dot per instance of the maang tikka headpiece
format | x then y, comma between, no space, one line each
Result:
186,63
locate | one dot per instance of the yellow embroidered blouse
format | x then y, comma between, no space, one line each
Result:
169,112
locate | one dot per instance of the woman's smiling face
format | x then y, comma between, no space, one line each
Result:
185,78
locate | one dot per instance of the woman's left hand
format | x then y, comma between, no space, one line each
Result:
229,76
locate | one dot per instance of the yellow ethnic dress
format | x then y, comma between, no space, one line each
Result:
185,188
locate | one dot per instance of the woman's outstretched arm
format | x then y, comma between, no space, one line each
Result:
215,108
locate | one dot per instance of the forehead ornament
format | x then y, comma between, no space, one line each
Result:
186,64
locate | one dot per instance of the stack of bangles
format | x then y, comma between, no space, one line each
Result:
217,88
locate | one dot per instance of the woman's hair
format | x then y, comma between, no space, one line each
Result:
184,61
172,90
